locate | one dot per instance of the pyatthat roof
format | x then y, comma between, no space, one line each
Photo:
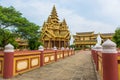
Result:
53,28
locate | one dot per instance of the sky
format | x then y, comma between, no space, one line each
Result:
100,16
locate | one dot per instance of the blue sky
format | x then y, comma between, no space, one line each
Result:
81,15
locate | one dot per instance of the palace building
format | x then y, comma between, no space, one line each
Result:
54,32
22,43
84,40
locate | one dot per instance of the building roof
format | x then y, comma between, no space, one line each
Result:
53,28
107,34
79,33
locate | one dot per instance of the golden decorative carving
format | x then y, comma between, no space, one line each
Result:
55,33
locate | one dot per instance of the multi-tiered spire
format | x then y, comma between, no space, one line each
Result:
54,15
64,22
49,19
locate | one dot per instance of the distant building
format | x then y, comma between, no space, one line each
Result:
22,43
55,33
84,40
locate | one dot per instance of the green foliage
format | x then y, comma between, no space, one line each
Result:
32,34
31,31
116,37
72,46
8,37
77,48
9,17
87,47
34,43
12,22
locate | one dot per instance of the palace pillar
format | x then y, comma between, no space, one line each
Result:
59,44
44,43
64,44
48,43
53,43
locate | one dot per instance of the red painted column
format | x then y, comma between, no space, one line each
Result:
95,50
63,54
97,63
41,49
68,52
55,55
8,61
96,60
63,49
109,58
71,50
42,58
55,49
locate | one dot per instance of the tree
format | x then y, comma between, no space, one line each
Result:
9,17
13,22
72,46
32,34
8,37
116,37
34,43
29,32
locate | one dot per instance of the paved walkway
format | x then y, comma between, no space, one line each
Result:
76,67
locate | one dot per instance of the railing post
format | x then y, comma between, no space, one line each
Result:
63,51
8,61
41,49
67,50
70,51
98,49
109,59
55,49
73,51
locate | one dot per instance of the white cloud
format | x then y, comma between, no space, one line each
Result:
36,11
110,8
78,23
